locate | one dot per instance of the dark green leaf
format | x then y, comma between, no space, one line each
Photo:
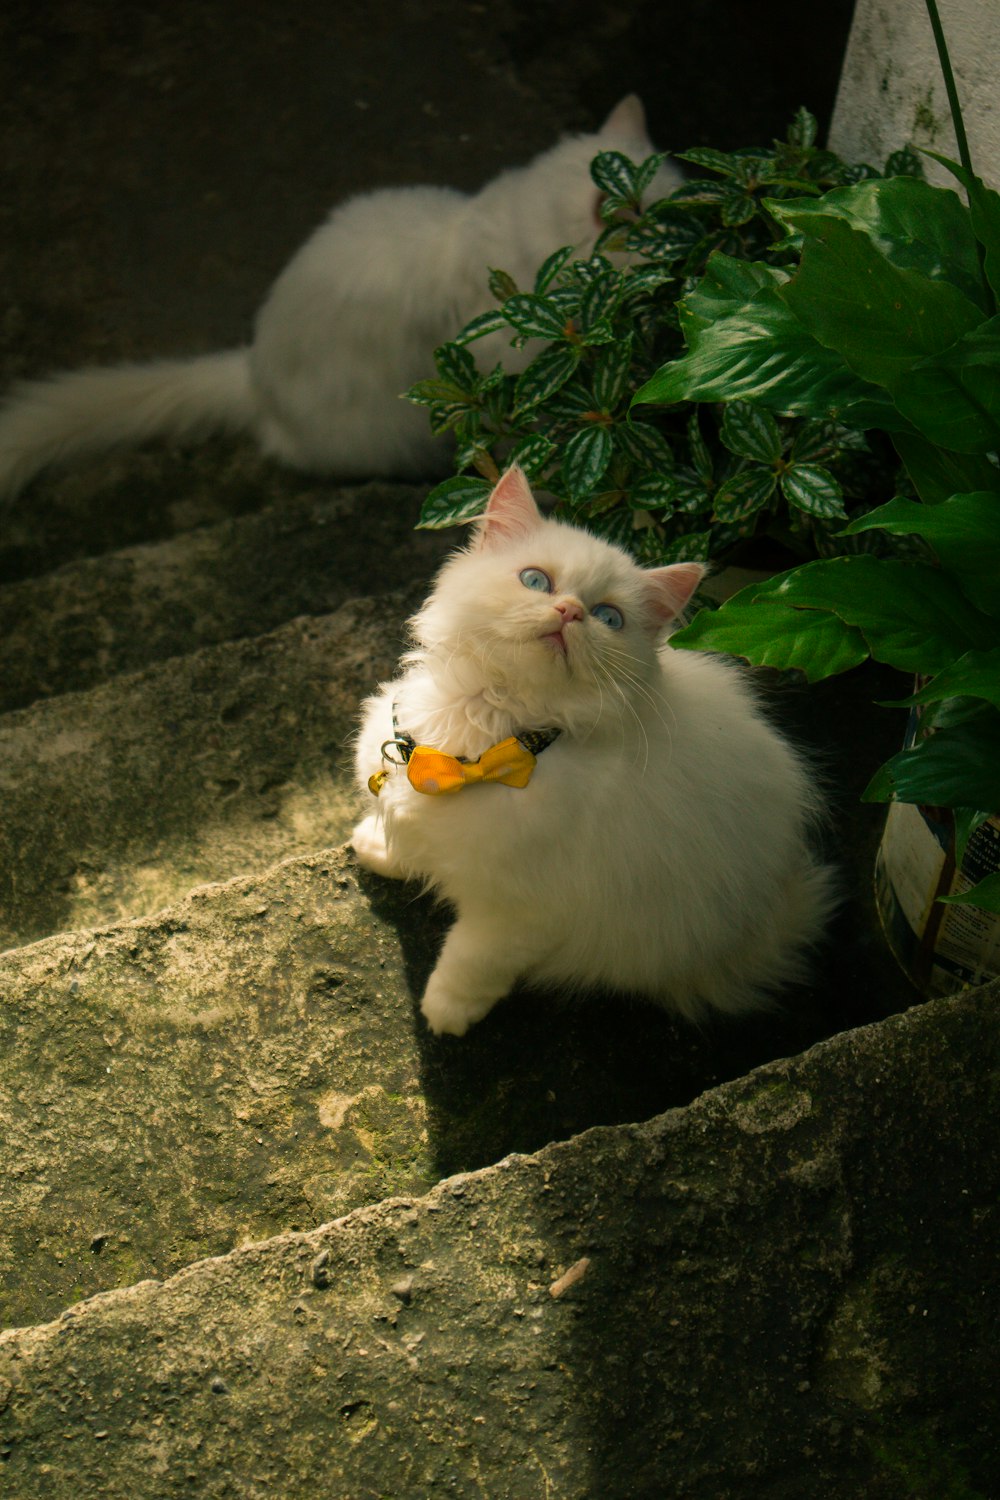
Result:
643,280
882,319
727,286
693,546
588,271
651,492
744,494
431,392
985,894
803,129
601,299
716,161
904,163
600,332
964,532
738,208
816,440
546,373
457,365
534,317
911,224
570,403
459,499
764,354
751,432
644,446
615,174
615,526
533,454
957,767
771,635
502,285
609,377
689,494
550,268
701,192
974,675
698,449
448,416
936,473
912,616
585,459
984,205
644,174
614,237
954,397
813,489
488,322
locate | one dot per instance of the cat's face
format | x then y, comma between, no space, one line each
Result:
548,616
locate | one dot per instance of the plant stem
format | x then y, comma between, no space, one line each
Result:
949,82
958,122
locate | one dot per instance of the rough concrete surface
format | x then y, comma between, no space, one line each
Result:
788,1289
242,1063
92,620
780,1288
117,800
251,1060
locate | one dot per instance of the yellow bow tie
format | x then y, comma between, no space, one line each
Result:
433,772
511,762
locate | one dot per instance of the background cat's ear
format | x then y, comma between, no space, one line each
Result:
627,119
670,589
510,512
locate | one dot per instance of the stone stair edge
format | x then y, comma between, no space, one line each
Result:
14,717
760,1114
170,915
714,1103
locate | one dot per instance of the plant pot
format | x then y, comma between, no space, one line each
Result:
942,948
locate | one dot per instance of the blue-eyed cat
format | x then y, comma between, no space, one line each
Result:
349,325
634,823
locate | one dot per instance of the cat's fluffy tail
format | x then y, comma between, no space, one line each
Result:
53,421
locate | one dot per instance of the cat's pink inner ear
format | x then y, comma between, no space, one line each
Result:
510,512
670,589
628,118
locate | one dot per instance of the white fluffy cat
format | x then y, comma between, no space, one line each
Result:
349,325
661,843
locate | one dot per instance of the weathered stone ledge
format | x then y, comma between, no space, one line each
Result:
789,1289
118,800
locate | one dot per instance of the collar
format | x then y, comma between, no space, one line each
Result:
525,744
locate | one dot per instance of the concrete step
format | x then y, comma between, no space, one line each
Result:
117,800
242,1063
786,1289
250,1060
94,619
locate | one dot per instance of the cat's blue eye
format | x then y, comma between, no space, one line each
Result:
609,615
534,578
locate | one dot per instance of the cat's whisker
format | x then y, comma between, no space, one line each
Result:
625,702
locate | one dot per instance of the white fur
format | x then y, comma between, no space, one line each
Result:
661,845
349,325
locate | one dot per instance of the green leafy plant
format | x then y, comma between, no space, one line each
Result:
677,484
889,321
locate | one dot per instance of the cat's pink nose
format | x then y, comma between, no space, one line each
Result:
570,609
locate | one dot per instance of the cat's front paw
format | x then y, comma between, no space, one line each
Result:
368,843
447,1013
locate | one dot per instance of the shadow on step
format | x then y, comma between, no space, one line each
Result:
541,1068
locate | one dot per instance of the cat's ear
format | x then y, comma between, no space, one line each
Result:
510,512
669,590
627,119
